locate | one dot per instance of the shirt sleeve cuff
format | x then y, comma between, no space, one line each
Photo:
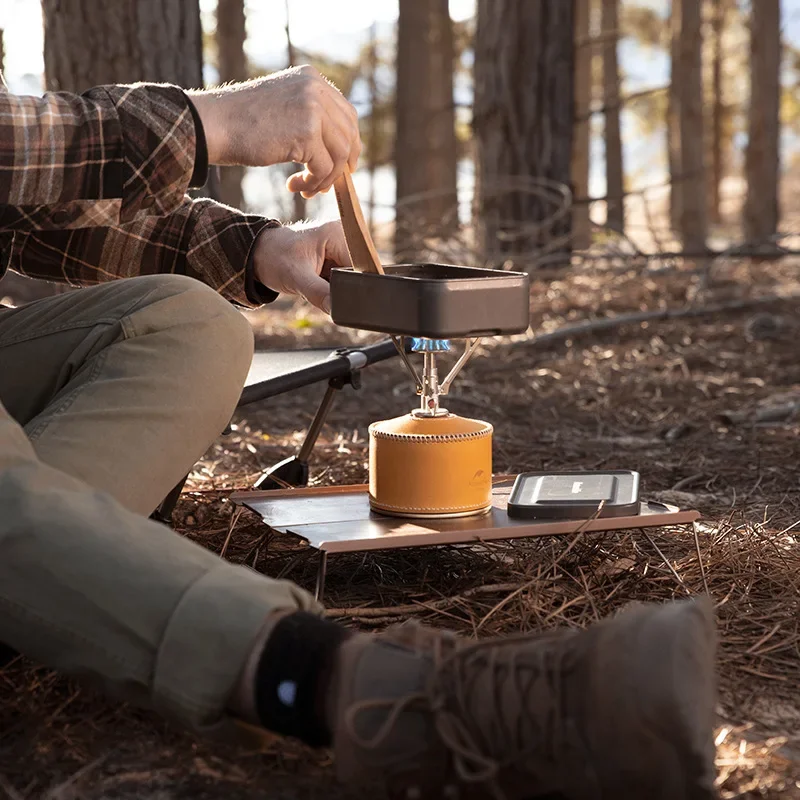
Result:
200,173
257,293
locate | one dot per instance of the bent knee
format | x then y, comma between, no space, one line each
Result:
200,324
221,326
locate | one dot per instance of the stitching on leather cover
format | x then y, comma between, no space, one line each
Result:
439,509
424,438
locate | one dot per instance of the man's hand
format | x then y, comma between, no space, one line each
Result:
293,116
297,260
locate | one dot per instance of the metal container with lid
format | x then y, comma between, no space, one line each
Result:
437,301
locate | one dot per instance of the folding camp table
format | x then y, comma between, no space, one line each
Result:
276,372
338,519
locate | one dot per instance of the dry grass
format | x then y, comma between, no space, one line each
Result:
650,397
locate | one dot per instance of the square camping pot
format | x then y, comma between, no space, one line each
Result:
434,301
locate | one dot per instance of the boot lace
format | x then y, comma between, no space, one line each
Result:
498,707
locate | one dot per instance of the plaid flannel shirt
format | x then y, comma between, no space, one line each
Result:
93,188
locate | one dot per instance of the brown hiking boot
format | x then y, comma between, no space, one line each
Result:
622,710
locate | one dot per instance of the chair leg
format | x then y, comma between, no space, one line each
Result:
164,512
293,471
315,427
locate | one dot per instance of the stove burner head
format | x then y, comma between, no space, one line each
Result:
429,345
427,384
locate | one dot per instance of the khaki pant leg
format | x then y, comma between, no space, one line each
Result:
87,586
125,385
96,591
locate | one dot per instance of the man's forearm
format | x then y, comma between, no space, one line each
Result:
117,154
201,239
108,157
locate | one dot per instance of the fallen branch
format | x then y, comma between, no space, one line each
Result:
567,262
416,608
636,317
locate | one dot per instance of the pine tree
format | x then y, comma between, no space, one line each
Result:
611,98
426,153
523,119
686,126
762,169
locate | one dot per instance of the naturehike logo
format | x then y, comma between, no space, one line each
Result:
576,487
479,478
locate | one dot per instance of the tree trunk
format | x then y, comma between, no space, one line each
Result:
426,152
762,158
298,201
523,121
88,43
230,36
124,42
372,140
615,189
673,128
717,113
686,125
581,221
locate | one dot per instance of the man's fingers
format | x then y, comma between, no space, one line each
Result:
316,290
354,138
341,136
338,146
296,181
336,154
338,149
355,154
327,266
335,244
345,150
319,166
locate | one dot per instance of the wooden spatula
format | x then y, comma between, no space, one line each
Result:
356,232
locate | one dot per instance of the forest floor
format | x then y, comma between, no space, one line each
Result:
707,414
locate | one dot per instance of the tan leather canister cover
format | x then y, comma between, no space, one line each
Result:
420,466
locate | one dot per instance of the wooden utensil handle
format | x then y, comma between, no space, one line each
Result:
362,250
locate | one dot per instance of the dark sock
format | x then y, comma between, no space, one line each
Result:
293,677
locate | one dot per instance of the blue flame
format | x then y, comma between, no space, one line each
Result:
429,345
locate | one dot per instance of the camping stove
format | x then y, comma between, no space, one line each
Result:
431,462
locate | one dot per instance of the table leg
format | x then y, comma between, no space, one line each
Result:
322,567
699,556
